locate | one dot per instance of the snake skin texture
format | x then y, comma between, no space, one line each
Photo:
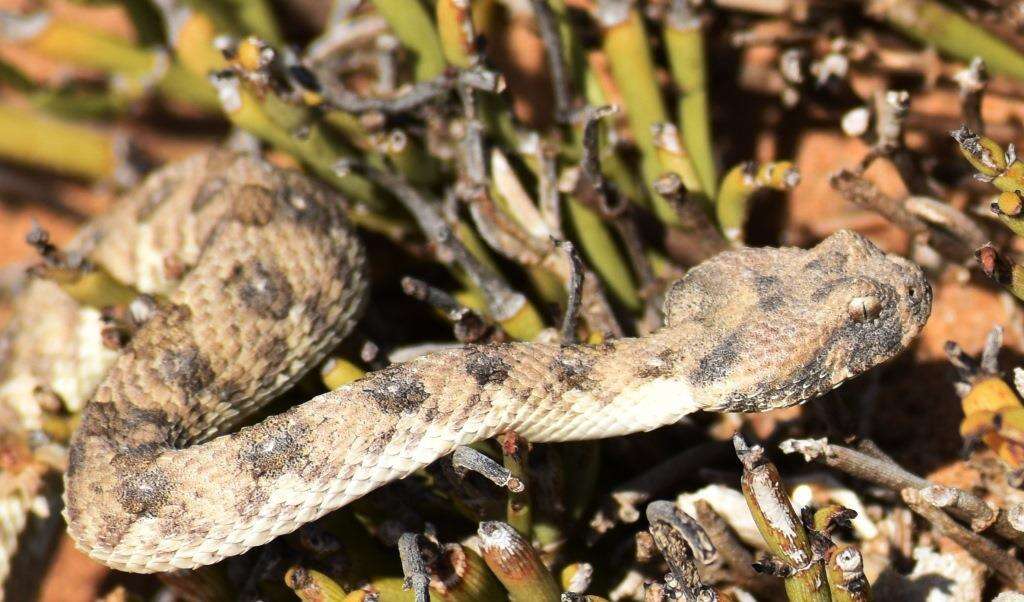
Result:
159,478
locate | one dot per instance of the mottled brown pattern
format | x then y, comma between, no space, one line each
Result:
270,454
255,205
395,391
262,288
186,368
152,488
486,365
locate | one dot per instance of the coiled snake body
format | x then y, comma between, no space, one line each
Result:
276,278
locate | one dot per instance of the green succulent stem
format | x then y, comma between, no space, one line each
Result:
31,138
414,27
519,514
79,45
738,186
473,580
313,586
844,568
456,30
632,64
779,525
257,17
1002,169
146,20
684,44
600,249
931,22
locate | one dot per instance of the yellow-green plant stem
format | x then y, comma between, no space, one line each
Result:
278,122
313,586
146,20
16,79
242,17
471,580
629,55
601,252
30,138
338,371
684,44
414,27
271,118
592,233
410,159
526,322
780,526
257,17
582,460
78,45
520,509
194,45
572,51
1009,207
455,25
385,589
930,22
844,568
675,157
742,181
94,288
1000,168
78,105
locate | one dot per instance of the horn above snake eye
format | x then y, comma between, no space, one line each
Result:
864,308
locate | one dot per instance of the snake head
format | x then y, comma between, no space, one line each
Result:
787,325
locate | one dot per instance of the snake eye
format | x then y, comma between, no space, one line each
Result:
864,309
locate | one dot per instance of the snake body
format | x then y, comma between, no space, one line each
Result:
275,277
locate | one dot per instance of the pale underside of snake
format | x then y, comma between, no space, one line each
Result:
275,278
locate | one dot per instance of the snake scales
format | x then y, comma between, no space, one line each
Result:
274,277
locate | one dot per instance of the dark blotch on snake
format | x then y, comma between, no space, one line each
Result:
187,368
145,487
263,289
829,263
486,366
768,298
108,420
254,205
270,455
305,203
573,367
716,364
395,391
